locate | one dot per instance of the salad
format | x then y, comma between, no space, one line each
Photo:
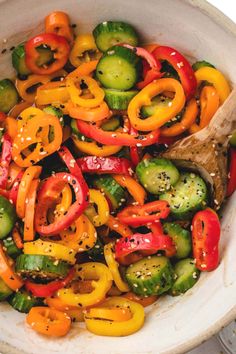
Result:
95,224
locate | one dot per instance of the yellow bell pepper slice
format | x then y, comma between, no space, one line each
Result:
103,327
216,78
76,94
52,249
98,198
83,44
110,313
91,148
101,282
113,266
144,97
52,92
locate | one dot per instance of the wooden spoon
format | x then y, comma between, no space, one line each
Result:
206,150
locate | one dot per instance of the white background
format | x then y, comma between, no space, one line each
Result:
212,346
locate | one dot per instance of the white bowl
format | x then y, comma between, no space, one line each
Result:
173,325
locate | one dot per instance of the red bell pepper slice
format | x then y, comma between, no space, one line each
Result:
99,165
58,45
206,236
144,242
116,138
14,190
146,214
3,116
47,290
70,162
134,150
232,173
48,196
181,65
5,160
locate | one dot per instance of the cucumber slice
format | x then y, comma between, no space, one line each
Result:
54,111
110,33
45,56
157,175
23,301
119,68
233,139
18,60
156,106
112,190
200,64
12,250
8,95
187,196
150,276
181,237
111,124
119,99
5,291
186,276
43,267
7,217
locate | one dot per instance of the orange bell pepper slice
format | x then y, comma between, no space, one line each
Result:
58,22
52,92
75,313
10,125
209,104
134,188
13,172
92,148
142,300
29,175
189,117
89,114
7,274
143,98
29,136
17,238
150,47
117,226
48,321
18,108
29,230
85,69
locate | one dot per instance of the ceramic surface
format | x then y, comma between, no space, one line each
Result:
173,325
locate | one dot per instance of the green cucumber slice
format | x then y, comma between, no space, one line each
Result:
156,106
201,64
5,291
150,276
43,267
187,196
157,174
23,301
11,249
119,99
8,95
18,60
111,124
110,33
181,237
77,133
7,217
186,275
119,68
112,190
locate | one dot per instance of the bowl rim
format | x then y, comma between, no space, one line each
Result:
229,26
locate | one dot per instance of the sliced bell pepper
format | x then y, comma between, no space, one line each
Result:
146,214
134,188
95,114
96,197
143,98
103,282
84,69
117,137
115,225
99,165
232,173
92,148
71,163
3,116
52,92
23,87
58,45
48,321
142,300
49,195
110,314
47,290
29,228
8,275
18,108
10,126
65,203
5,160
58,22
73,312
84,45
181,65
15,187
216,78
142,242
103,327
188,119
17,238
206,237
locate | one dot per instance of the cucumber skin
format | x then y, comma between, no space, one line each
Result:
23,302
185,214
8,95
150,287
179,236
142,169
112,28
201,64
111,124
43,267
18,60
118,99
7,210
5,291
12,250
179,287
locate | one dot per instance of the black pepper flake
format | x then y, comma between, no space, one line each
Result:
3,51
